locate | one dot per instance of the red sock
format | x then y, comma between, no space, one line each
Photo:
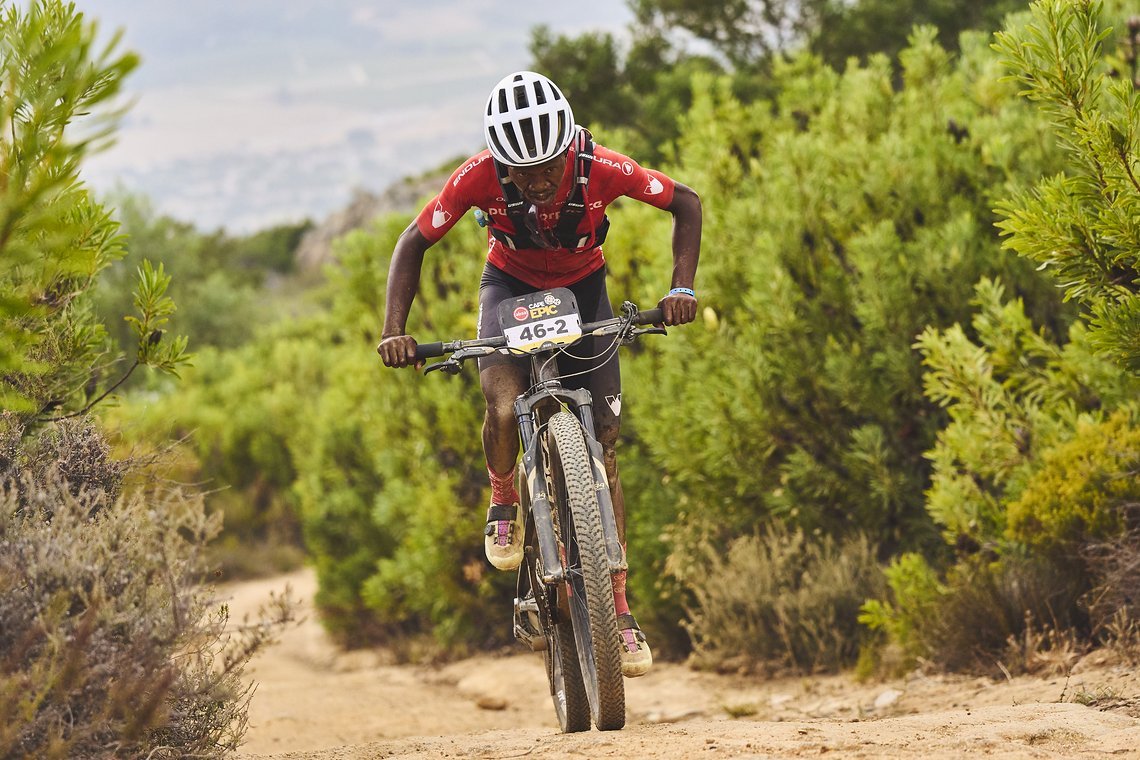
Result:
620,604
503,487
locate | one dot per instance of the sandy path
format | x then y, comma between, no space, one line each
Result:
315,703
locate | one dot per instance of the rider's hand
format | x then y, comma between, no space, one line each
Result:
678,308
399,351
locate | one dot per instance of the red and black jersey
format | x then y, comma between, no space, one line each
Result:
475,184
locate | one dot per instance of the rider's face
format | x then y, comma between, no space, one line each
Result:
539,183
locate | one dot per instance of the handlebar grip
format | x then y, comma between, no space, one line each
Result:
650,317
429,350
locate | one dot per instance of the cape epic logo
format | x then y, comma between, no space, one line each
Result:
547,306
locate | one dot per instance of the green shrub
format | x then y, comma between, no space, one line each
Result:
227,287
975,618
1033,464
993,607
909,619
54,239
1080,224
108,645
1082,490
779,599
843,218
230,418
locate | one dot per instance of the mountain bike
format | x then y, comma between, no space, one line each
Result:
564,598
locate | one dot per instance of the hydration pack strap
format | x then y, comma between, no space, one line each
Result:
566,232
516,212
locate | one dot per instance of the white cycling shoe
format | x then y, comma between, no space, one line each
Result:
503,540
636,658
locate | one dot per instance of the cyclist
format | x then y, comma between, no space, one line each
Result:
542,188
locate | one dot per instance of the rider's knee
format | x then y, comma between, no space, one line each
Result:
500,389
500,411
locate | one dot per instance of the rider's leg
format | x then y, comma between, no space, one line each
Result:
501,384
636,657
604,384
502,379
503,538
608,427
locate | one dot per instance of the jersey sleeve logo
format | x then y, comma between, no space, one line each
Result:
439,217
463,172
655,187
625,167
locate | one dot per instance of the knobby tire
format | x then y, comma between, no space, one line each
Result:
589,587
563,673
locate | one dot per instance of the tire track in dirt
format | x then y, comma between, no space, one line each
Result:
314,702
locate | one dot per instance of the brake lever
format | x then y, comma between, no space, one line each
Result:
450,366
650,331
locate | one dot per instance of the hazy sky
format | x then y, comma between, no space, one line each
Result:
250,112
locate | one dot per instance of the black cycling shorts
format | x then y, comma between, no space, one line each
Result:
581,366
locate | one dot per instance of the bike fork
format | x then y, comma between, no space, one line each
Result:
535,473
615,555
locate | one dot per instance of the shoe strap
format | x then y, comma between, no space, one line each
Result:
502,512
625,620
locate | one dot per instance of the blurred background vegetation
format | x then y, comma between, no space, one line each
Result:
875,365
918,290
905,428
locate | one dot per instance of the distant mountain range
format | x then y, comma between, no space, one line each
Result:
253,113
315,248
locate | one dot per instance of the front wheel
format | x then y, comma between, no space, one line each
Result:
560,653
588,588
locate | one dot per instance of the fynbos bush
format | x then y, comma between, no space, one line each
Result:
74,449
1114,565
108,645
1015,610
1084,488
780,598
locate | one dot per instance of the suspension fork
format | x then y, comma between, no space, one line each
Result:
535,472
615,555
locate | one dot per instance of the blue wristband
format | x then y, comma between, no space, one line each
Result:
686,291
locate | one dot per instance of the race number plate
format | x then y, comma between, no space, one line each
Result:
540,320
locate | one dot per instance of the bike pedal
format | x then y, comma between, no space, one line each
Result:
526,627
527,604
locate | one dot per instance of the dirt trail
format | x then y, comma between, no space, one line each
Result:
316,703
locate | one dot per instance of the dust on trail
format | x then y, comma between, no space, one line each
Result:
314,702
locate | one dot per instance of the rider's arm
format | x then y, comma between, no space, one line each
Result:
396,348
685,207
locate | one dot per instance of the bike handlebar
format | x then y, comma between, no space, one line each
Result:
439,348
650,317
429,350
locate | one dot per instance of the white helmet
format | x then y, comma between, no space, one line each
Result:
528,120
